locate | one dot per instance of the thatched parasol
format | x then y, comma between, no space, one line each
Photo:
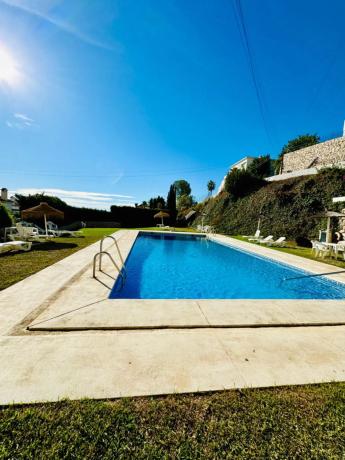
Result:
328,215
42,210
161,215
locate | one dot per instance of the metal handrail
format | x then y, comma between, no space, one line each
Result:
100,253
118,251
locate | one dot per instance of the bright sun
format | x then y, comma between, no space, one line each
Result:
9,70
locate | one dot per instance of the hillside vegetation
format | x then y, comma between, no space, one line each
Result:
287,206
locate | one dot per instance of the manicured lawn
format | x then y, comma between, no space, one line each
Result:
306,422
17,266
298,422
292,248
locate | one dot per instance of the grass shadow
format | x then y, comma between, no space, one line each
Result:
52,246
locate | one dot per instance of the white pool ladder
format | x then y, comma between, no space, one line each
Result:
121,270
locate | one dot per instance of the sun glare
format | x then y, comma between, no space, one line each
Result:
9,69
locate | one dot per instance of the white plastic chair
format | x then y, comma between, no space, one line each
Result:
320,249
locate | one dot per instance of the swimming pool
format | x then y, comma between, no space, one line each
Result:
170,266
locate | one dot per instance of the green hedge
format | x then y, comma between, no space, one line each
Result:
136,217
124,216
71,213
6,218
287,206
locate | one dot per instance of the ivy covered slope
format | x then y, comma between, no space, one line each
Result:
287,206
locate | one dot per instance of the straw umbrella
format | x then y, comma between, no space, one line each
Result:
42,210
329,215
161,215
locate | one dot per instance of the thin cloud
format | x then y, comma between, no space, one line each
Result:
80,198
62,25
23,117
21,121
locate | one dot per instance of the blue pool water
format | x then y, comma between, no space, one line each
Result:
162,266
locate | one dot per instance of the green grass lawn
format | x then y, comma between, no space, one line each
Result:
297,422
17,266
306,422
292,248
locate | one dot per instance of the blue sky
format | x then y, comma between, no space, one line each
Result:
110,101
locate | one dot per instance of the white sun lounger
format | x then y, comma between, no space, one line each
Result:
259,240
266,240
256,236
15,246
29,234
280,242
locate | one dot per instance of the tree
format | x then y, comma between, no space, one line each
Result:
304,140
184,202
240,183
171,199
299,142
211,185
157,202
28,201
6,218
182,187
260,167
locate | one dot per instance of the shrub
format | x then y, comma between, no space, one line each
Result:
303,242
240,183
261,167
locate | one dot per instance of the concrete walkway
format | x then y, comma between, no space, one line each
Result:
146,314
110,365
235,344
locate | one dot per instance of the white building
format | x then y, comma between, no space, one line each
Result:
10,203
242,164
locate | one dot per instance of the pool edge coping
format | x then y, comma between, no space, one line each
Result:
263,252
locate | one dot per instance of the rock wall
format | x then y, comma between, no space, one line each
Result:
329,153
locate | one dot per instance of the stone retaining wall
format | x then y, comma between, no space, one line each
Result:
326,153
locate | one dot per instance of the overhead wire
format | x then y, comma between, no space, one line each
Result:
115,173
240,21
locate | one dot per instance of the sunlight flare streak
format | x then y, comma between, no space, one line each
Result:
10,74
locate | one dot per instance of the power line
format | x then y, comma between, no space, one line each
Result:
238,11
332,61
115,173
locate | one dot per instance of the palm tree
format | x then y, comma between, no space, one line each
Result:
211,185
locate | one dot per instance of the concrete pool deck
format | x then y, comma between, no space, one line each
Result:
60,336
